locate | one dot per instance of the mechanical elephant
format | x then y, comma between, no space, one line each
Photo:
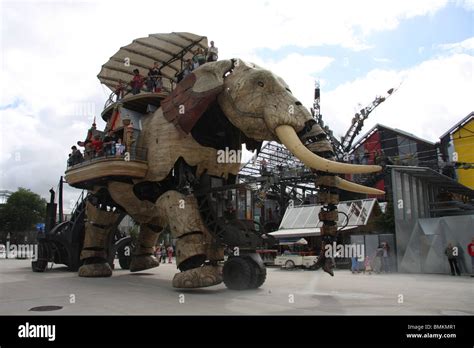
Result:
219,106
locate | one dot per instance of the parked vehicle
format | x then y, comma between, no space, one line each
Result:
291,261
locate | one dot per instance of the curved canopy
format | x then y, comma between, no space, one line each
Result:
169,50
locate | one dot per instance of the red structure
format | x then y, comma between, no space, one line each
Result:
384,145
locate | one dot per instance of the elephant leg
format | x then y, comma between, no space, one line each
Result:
98,226
196,254
143,256
145,213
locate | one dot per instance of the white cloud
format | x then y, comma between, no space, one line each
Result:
433,96
466,4
459,47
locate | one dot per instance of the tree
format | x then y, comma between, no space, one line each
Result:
386,221
22,211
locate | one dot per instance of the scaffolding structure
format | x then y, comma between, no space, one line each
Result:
343,146
277,173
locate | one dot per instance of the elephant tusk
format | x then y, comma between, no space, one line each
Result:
353,187
288,137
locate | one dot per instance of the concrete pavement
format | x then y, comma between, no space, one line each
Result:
297,292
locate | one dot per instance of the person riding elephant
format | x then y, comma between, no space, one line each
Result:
218,106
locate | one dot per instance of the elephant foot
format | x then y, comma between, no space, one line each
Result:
198,277
95,270
143,262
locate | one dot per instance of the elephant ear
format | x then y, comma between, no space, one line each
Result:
193,95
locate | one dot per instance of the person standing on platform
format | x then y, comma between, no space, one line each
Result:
212,53
188,68
120,90
199,58
137,82
153,74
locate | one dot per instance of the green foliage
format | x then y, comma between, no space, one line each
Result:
22,211
386,221
134,230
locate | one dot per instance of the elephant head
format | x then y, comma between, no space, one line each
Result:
262,106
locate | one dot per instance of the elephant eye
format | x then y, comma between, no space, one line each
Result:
261,84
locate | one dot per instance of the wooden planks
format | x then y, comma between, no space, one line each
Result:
104,168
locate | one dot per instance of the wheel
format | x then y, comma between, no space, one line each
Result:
289,264
124,262
124,259
124,254
238,274
260,277
41,262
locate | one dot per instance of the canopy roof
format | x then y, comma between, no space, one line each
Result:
168,50
303,220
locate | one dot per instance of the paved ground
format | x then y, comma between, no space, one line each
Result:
313,293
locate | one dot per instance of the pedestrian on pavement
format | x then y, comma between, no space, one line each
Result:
378,259
354,265
163,254
367,265
386,258
470,250
158,252
170,253
452,254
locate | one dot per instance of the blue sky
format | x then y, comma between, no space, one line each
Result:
413,41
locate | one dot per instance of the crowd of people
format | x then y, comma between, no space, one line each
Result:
453,252
97,144
378,263
154,79
162,251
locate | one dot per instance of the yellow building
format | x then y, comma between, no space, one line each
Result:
458,148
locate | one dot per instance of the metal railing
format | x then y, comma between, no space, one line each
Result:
135,153
112,99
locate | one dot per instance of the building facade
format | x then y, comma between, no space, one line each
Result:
384,145
457,150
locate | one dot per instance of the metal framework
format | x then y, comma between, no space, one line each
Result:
277,172
343,146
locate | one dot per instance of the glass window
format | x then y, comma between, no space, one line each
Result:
406,197
241,204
